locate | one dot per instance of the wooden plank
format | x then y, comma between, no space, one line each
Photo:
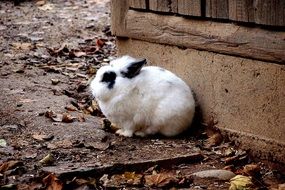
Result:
217,9
174,6
82,169
241,10
169,6
159,5
138,4
189,7
119,9
270,12
224,38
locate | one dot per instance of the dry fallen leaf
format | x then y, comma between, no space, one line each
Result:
60,144
9,165
100,43
62,50
118,180
159,180
214,140
70,108
67,118
240,182
52,182
22,46
77,53
132,178
251,169
42,137
40,3
91,70
47,160
47,7
81,118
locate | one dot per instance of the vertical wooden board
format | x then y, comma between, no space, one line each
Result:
269,12
208,8
217,9
137,4
189,7
159,5
119,10
174,6
241,10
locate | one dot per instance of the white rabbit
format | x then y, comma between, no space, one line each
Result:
143,100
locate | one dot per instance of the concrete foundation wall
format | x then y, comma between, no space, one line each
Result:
246,97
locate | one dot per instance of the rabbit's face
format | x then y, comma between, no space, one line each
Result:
111,80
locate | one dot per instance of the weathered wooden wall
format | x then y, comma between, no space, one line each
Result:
265,12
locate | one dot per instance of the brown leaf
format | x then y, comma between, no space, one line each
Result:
75,53
132,178
100,42
60,144
52,182
70,108
40,3
10,165
42,137
22,46
251,169
159,180
214,140
30,154
49,114
62,50
67,118
81,118
91,49
118,180
91,70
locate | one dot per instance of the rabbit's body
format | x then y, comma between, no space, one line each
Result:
153,101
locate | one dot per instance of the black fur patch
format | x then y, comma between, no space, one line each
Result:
134,69
109,78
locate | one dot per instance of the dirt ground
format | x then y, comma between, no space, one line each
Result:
53,135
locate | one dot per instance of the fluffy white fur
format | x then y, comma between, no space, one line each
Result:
154,101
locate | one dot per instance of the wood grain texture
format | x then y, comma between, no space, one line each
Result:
137,4
119,9
241,10
159,5
217,9
270,12
189,7
222,38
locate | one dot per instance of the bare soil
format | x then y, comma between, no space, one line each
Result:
51,128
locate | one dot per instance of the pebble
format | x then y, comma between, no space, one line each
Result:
217,174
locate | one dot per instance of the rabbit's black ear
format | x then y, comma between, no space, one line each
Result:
134,68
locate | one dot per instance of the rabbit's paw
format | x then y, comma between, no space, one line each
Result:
125,133
140,134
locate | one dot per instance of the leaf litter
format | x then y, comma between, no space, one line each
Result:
77,56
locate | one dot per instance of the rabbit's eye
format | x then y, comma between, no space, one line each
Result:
109,77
